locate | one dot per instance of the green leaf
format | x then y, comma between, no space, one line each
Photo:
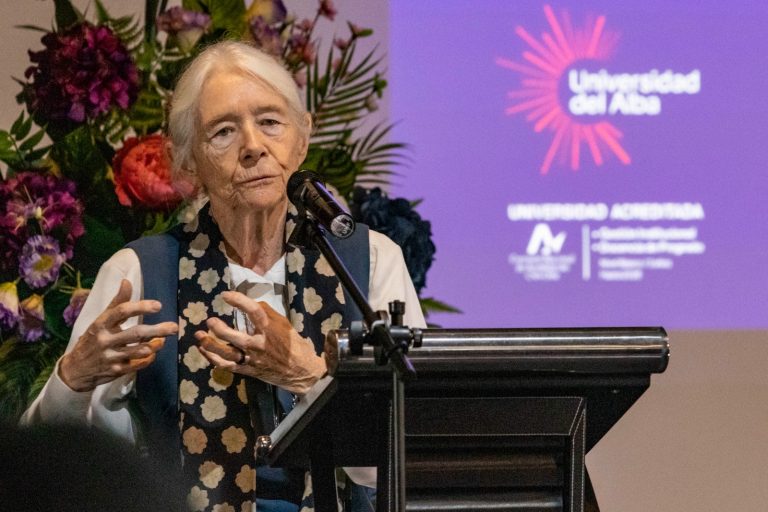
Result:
226,15
16,126
24,129
37,385
97,245
334,165
55,302
79,158
6,141
432,305
33,141
33,27
66,14
20,366
101,13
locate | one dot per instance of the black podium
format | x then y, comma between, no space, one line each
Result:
497,419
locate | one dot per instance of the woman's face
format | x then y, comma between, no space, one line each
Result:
248,143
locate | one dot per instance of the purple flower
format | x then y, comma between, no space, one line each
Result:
185,25
76,301
9,306
266,37
32,324
271,11
40,261
176,19
31,203
82,73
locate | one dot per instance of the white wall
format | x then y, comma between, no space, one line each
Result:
696,441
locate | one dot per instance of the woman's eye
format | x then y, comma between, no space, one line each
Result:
224,132
271,127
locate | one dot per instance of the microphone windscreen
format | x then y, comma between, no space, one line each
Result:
295,182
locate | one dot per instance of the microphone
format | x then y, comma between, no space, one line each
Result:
306,191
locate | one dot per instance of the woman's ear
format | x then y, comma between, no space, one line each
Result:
184,173
306,132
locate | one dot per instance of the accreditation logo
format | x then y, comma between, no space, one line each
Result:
569,89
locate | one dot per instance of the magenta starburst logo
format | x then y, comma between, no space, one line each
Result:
544,62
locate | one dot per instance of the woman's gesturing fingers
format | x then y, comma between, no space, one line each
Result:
105,351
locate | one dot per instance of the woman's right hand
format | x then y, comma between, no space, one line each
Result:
105,351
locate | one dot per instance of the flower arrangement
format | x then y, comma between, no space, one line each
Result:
84,168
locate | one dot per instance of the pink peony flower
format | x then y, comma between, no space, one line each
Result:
32,324
81,74
143,177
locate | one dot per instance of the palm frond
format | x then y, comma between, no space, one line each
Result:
21,367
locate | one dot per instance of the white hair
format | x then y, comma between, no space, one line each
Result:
225,55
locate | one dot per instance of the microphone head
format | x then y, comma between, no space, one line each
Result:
296,180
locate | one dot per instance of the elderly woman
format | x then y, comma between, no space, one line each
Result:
143,361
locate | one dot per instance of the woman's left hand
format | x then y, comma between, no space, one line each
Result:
274,353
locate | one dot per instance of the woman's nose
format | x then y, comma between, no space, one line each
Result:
252,145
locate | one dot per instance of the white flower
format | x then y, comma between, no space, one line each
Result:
246,478
297,320
196,312
191,226
340,294
187,268
233,439
312,301
194,360
291,292
220,379
241,393
188,391
331,323
290,225
198,246
227,277
249,506
323,267
213,408
208,280
182,326
220,307
210,474
295,261
195,440
197,499
223,507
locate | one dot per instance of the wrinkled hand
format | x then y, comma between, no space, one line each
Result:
105,351
274,353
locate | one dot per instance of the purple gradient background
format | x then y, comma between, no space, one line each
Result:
470,160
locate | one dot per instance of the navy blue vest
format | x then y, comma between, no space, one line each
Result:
155,408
